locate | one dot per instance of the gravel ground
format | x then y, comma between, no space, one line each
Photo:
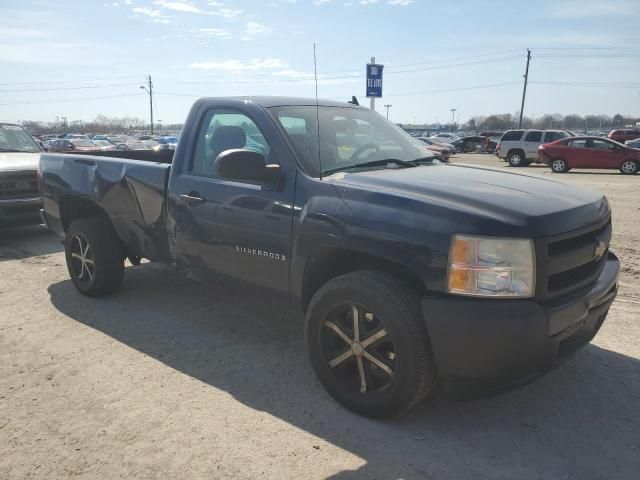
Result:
170,378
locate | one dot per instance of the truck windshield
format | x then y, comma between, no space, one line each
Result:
350,138
14,139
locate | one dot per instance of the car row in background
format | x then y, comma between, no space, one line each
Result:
562,151
520,147
100,142
445,150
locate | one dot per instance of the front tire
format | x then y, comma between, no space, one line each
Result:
559,165
95,258
629,167
516,159
368,344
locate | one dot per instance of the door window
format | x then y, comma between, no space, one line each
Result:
533,137
580,143
223,130
512,135
602,145
553,136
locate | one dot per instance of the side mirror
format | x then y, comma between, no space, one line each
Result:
245,165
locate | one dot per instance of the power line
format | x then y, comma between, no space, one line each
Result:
597,55
432,63
63,100
584,84
340,77
44,82
612,47
68,88
475,87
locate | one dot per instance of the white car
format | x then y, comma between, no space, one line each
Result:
20,201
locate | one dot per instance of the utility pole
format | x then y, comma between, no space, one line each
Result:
149,89
453,118
388,106
372,102
524,91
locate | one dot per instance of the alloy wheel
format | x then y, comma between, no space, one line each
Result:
558,166
358,348
629,167
82,259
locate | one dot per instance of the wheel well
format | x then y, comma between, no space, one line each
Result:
73,208
330,264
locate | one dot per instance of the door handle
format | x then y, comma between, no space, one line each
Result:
192,198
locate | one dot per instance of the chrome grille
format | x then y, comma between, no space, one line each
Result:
572,261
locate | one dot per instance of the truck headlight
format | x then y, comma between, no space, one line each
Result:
491,267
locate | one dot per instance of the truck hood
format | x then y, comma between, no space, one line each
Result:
12,161
529,206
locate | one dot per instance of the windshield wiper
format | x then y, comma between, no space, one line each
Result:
372,163
13,150
418,160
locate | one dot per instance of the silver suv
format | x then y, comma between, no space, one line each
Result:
520,147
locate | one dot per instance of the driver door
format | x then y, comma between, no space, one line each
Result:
239,229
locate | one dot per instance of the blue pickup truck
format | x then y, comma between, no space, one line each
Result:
415,276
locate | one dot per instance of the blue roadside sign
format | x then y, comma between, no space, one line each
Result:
374,80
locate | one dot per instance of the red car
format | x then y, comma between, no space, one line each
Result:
589,152
624,134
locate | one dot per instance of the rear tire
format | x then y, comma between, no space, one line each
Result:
629,167
516,158
558,165
95,258
402,372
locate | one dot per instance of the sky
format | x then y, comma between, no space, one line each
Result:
81,58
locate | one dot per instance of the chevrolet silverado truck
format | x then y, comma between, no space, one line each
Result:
20,202
415,276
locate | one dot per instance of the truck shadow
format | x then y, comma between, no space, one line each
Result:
579,421
26,242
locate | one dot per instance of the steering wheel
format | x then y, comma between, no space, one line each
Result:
364,148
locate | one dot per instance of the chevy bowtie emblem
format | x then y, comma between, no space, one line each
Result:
601,247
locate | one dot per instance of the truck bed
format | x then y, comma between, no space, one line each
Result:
132,193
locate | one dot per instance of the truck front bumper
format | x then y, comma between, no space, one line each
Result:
22,211
485,346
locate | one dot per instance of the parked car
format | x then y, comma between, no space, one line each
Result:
74,145
469,144
589,152
623,134
132,144
520,147
103,144
166,143
491,143
443,136
20,201
439,143
438,149
413,274
76,136
633,143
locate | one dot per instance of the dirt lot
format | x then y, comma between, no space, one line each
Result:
171,379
